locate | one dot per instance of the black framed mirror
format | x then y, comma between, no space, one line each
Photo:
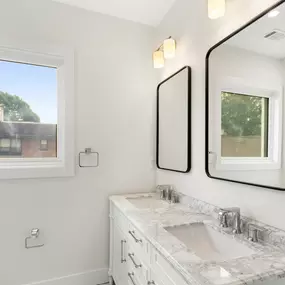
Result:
245,106
173,137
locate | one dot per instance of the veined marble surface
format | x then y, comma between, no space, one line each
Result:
266,264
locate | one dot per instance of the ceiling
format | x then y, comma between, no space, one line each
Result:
149,12
252,38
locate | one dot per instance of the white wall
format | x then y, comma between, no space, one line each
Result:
195,33
114,82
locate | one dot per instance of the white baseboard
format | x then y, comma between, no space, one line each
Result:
93,277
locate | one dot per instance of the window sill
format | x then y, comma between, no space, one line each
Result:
19,169
247,164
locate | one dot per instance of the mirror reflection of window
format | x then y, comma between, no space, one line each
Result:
244,126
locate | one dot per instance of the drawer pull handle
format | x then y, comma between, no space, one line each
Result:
131,255
122,251
134,237
131,275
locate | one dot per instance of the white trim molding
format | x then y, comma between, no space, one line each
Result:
64,164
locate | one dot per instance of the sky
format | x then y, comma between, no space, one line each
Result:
37,85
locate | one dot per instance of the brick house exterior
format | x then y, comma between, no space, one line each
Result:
27,139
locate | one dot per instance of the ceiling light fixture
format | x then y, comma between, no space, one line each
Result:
166,50
216,8
273,14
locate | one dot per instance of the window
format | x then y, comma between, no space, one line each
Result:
10,147
4,145
244,125
43,145
36,101
28,105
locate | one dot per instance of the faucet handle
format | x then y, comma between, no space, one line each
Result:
222,216
175,197
163,194
254,232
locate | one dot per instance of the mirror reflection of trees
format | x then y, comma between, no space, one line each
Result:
244,125
243,115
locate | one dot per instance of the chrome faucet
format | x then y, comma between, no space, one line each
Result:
236,221
163,191
168,193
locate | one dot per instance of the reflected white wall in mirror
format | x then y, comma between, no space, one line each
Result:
173,122
246,105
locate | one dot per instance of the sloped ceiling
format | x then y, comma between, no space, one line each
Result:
149,12
252,38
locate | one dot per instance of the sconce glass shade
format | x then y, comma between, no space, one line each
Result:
169,48
158,59
216,8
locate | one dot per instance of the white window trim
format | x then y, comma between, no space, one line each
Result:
241,86
64,164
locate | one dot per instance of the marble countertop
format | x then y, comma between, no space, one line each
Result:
266,264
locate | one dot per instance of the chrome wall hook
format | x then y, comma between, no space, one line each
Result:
34,235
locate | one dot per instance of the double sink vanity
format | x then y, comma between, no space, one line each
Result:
186,241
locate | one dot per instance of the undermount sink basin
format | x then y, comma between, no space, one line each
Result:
147,202
209,244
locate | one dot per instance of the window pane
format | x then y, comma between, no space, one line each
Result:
4,146
5,143
244,125
15,143
43,145
15,146
28,110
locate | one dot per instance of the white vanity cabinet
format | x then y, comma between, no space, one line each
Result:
133,260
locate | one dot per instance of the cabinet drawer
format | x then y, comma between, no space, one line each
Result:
136,264
155,279
133,279
162,268
138,243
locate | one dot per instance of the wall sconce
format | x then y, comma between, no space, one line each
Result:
216,8
158,59
166,50
169,48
